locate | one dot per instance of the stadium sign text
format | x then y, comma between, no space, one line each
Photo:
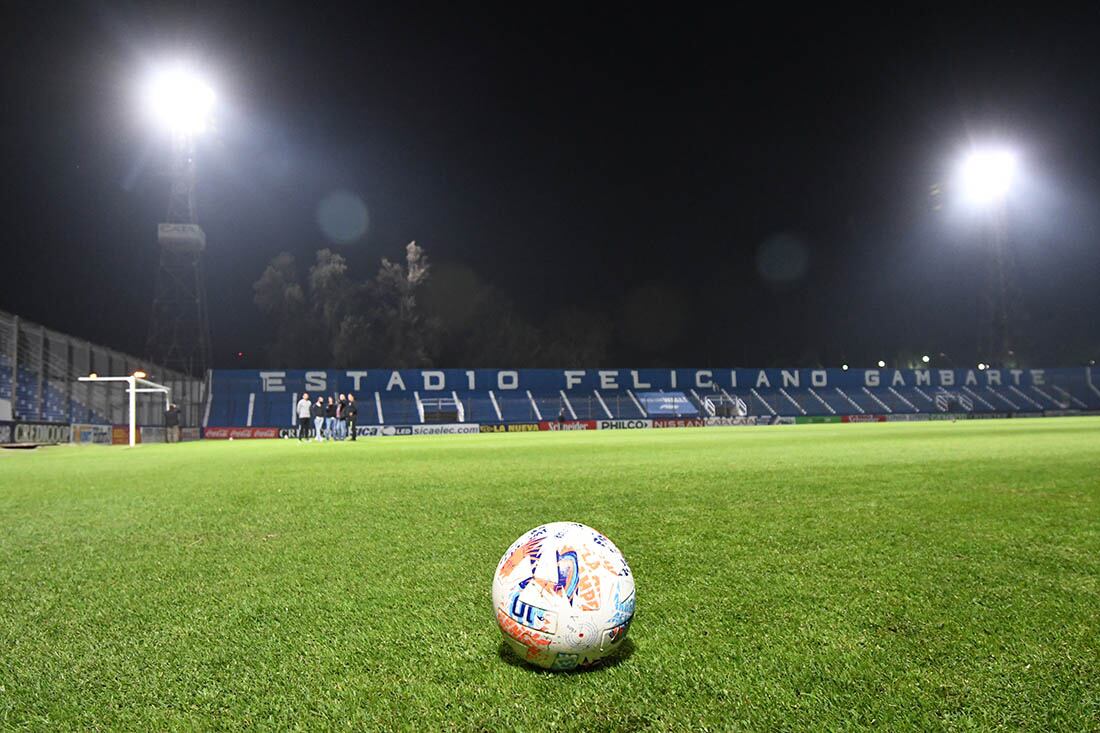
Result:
749,420
86,433
692,422
34,432
624,424
239,433
457,429
362,431
567,425
445,381
522,427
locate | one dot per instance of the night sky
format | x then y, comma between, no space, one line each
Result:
754,190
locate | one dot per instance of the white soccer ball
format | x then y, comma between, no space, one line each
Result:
563,596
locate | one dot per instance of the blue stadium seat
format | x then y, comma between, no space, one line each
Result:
761,402
399,410
777,402
514,408
221,412
550,405
479,408
1077,394
586,406
805,402
270,410
822,401
5,377
622,406
368,410
1003,399
894,400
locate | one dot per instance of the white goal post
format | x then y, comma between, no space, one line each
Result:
133,380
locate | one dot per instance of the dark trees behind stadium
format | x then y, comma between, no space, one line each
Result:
412,315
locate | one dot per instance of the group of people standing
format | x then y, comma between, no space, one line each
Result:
334,419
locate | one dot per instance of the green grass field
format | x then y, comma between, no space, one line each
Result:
903,576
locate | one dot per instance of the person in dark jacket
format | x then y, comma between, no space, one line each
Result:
318,413
342,416
351,412
330,419
172,423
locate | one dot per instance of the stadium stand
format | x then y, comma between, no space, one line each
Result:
39,369
676,404
480,407
890,400
549,405
399,410
514,408
544,395
585,407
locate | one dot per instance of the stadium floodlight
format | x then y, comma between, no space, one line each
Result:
140,374
180,101
926,358
844,367
981,366
881,364
133,381
986,175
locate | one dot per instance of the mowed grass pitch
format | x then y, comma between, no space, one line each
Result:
906,576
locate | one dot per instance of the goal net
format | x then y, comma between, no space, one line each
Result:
135,387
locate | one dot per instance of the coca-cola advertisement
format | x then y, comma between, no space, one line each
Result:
239,433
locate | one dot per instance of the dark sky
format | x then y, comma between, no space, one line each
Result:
756,185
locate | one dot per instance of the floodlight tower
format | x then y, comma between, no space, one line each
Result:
179,329
986,176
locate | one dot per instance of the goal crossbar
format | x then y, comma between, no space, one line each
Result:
135,390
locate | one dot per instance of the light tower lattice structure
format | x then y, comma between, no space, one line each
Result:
986,177
179,327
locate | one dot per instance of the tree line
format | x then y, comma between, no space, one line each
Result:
409,316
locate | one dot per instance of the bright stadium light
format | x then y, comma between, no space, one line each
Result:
981,366
93,375
180,101
140,374
926,358
881,363
986,175
844,367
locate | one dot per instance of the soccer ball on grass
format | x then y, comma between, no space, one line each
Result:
563,596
